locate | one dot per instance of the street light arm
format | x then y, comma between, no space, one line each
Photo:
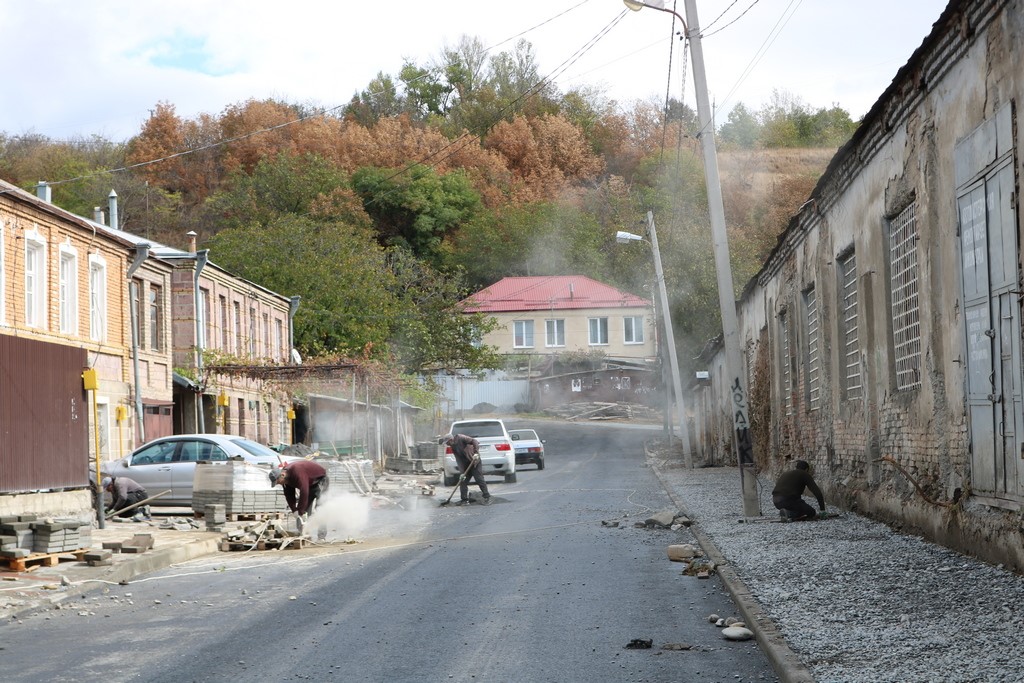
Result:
659,5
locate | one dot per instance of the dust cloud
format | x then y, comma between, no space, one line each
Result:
343,516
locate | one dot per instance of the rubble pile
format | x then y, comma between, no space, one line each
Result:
272,534
603,411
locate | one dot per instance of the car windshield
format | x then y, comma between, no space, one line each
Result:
255,448
478,429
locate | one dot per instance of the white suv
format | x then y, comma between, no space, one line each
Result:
497,456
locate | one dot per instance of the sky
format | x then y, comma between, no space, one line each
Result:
78,69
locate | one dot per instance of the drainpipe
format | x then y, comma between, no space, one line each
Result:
141,254
201,259
293,306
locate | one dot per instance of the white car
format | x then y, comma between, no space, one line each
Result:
497,456
169,463
529,447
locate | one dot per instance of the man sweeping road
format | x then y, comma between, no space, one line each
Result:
466,450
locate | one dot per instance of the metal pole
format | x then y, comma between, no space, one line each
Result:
670,342
727,299
737,388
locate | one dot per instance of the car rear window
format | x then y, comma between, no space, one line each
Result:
478,429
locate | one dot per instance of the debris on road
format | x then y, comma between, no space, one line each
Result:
640,644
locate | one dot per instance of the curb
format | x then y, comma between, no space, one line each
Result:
125,571
787,665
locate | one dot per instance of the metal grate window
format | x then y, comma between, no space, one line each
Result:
906,321
787,375
813,350
852,385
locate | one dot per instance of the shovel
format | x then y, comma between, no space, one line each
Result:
462,478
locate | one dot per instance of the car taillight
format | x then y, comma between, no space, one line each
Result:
534,450
448,450
502,447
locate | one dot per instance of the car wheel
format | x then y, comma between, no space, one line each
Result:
450,479
540,463
510,478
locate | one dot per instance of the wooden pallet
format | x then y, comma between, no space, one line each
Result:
293,543
21,564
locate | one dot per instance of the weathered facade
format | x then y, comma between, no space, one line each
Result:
883,334
63,314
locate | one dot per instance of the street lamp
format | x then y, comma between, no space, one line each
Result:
623,237
726,297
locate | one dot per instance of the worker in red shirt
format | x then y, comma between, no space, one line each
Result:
306,476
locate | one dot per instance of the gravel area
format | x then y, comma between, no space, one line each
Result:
856,601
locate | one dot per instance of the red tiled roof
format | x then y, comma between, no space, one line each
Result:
548,293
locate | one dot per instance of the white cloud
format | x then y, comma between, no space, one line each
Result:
100,67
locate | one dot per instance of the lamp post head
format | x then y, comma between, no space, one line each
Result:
623,237
636,5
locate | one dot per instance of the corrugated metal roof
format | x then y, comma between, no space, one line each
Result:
553,292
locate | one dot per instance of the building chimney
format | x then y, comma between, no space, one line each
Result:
191,240
570,290
112,206
44,191
97,214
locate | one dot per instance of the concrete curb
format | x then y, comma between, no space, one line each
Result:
125,571
786,663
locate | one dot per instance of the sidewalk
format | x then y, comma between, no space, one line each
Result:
849,600
40,587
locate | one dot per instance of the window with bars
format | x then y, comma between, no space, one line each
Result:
903,286
813,357
849,331
785,363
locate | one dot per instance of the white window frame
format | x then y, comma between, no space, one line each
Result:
68,290
633,329
554,332
97,298
522,334
597,331
35,280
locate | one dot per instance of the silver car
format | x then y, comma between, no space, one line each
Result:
529,447
169,463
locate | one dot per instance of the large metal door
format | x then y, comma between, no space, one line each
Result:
992,315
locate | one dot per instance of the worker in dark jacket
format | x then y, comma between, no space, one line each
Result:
466,450
789,490
123,493
306,476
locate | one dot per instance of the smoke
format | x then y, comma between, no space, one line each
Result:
346,516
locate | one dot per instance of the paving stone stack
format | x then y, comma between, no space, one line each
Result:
16,532
59,536
349,474
242,488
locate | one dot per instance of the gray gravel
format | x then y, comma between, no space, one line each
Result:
858,602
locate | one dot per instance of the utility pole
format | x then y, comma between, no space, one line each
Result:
737,382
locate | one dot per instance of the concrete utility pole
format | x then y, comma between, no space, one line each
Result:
727,300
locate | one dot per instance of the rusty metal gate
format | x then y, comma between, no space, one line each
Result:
44,416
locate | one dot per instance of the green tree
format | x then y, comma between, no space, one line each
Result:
338,269
741,128
416,208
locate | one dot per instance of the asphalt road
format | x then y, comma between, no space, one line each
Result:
539,586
